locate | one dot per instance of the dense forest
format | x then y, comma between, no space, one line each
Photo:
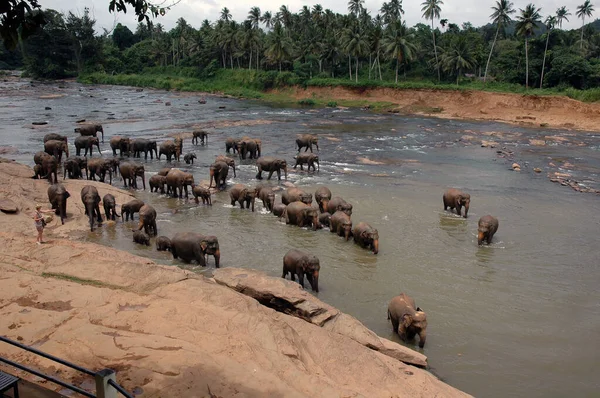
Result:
524,46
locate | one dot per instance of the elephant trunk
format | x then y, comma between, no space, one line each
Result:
422,338
315,222
234,170
314,283
67,150
252,204
480,237
375,246
90,210
217,256
347,234
110,176
324,204
212,176
143,181
102,132
141,224
466,209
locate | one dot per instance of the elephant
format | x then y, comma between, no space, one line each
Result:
271,164
230,162
58,195
48,164
193,246
232,144
336,203
73,166
453,198
130,171
171,148
279,210
218,173
248,146
99,167
203,135
296,195
147,220
366,236
307,140
177,179
90,130
113,164
38,173
325,220
91,201
86,143
202,192
165,171
123,144
110,207
341,224
301,214
241,193
486,228
163,244
140,145
189,158
267,195
56,148
322,197
54,136
156,182
141,238
297,262
130,208
309,159
407,319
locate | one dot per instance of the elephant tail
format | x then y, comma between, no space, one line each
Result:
389,315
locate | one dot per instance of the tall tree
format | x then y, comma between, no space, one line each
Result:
267,19
254,17
354,44
225,15
355,7
562,14
527,22
584,10
431,10
501,17
280,45
550,24
459,56
399,44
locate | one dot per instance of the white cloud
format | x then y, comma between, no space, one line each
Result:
195,11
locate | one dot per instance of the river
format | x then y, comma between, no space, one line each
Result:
520,317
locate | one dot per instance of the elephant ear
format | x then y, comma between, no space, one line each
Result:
204,245
419,309
406,320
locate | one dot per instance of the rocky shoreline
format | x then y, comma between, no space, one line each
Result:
170,332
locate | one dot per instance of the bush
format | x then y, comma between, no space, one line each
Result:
306,102
332,104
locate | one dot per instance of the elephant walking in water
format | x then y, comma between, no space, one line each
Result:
341,224
110,207
123,144
241,193
193,246
91,201
307,140
486,228
130,171
322,197
271,164
218,173
297,262
90,130
308,159
292,195
302,215
407,319
366,236
148,220
203,135
454,198
86,143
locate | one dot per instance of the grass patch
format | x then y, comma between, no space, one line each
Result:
70,278
307,102
332,104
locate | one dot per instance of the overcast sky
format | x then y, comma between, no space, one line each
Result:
195,11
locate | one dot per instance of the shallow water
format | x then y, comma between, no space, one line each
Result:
518,318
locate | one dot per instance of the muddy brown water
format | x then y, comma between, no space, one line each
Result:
518,318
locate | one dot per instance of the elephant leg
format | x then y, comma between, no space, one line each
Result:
99,217
458,209
270,174
410,334
284,272
279,174
395,323
301,278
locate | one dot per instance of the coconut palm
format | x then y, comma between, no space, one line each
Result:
280,45
267,19
562,14
254,17
355,6
431,10
527,22
550,24
501,17
399,43
459,56
354,44
225,14
584,10
392,11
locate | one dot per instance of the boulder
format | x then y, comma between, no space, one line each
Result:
8,206
288,297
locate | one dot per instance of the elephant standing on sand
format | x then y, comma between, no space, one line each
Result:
73,166
130,171
86,143
56,148
322,197
193,246
307,140
91,201
302,215
486,228
241,193
57,196
90,130
48,166
454,198
341,224
407,319
271,164
366,236
296,262
292,195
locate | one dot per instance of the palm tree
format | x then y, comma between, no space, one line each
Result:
550,24
562,15
431,9
280,45
267,19
355,6
354,44
398,44
584,10
254,17
527,23
501,17
391,11
225,14
458,57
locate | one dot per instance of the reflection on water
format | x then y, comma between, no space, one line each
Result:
541,263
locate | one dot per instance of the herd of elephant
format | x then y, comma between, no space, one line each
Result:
296,204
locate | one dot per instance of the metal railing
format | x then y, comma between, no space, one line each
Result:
106,384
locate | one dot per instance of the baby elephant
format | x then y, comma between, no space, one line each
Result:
455,199
407,319
141,237
300,263
163,244
203,193
189,158
487,227
279,210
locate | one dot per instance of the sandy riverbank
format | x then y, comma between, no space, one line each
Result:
166,331
526,110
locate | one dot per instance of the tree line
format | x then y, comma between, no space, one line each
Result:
523,46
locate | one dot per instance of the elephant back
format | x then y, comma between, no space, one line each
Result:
89,191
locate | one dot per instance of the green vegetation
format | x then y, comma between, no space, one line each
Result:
75,279
320,48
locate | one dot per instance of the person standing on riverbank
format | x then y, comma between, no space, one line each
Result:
39,222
